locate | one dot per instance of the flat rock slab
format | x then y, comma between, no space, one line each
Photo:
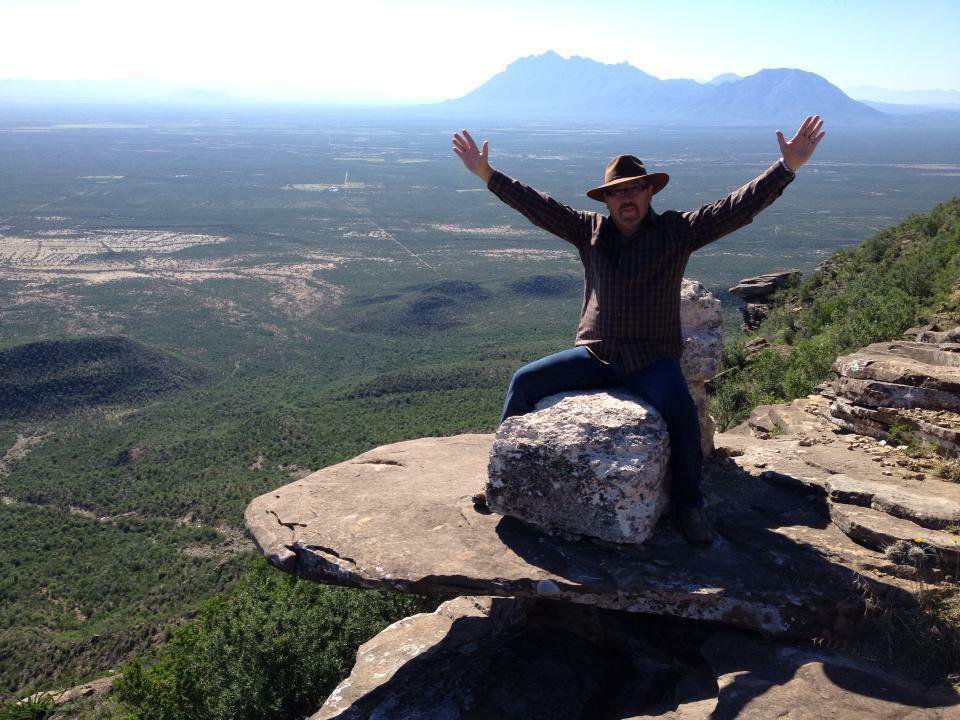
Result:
761,287
402,517
499,658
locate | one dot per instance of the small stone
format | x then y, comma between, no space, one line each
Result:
805,443
887,473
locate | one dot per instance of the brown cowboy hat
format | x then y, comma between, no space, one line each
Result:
624,169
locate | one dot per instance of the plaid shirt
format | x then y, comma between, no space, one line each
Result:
631,293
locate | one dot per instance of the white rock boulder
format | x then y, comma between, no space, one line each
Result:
587,463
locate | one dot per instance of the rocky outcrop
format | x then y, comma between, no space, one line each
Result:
762,287
905,392
403,517
874,493
593,464
817,528
812,522
756,292
483,657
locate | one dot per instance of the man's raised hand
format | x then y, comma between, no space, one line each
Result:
801,147
473,157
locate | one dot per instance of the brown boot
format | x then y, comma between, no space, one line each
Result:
695,526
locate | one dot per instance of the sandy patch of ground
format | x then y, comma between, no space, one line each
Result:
234,541
320,187
523,254
94,688
930,166
499,230
88,258
61,248
378,234
20,449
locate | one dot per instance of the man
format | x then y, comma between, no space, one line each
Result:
634,258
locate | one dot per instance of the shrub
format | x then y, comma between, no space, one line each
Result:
272,647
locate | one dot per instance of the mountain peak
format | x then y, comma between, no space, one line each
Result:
551,86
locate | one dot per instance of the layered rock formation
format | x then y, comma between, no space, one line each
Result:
905,392
756,292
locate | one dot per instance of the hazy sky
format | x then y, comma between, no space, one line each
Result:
371,50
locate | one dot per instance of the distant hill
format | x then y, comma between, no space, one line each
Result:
57,376
550,87
725,78
904,97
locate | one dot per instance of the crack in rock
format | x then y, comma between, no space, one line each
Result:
288,525
380,461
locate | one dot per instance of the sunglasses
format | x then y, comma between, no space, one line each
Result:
625,192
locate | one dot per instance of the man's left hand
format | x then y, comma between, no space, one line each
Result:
801,147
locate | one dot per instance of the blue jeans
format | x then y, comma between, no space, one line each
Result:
661,384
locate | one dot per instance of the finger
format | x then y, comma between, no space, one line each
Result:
781,141
485,151
460,143
473,145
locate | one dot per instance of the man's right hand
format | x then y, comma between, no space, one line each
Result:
473,157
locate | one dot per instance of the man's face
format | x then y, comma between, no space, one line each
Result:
628,205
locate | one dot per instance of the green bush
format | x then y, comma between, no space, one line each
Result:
273,646
862,295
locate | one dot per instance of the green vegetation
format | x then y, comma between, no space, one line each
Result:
271,648
52,377
64,611
33,708
866,294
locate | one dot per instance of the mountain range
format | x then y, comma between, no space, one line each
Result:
550,87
